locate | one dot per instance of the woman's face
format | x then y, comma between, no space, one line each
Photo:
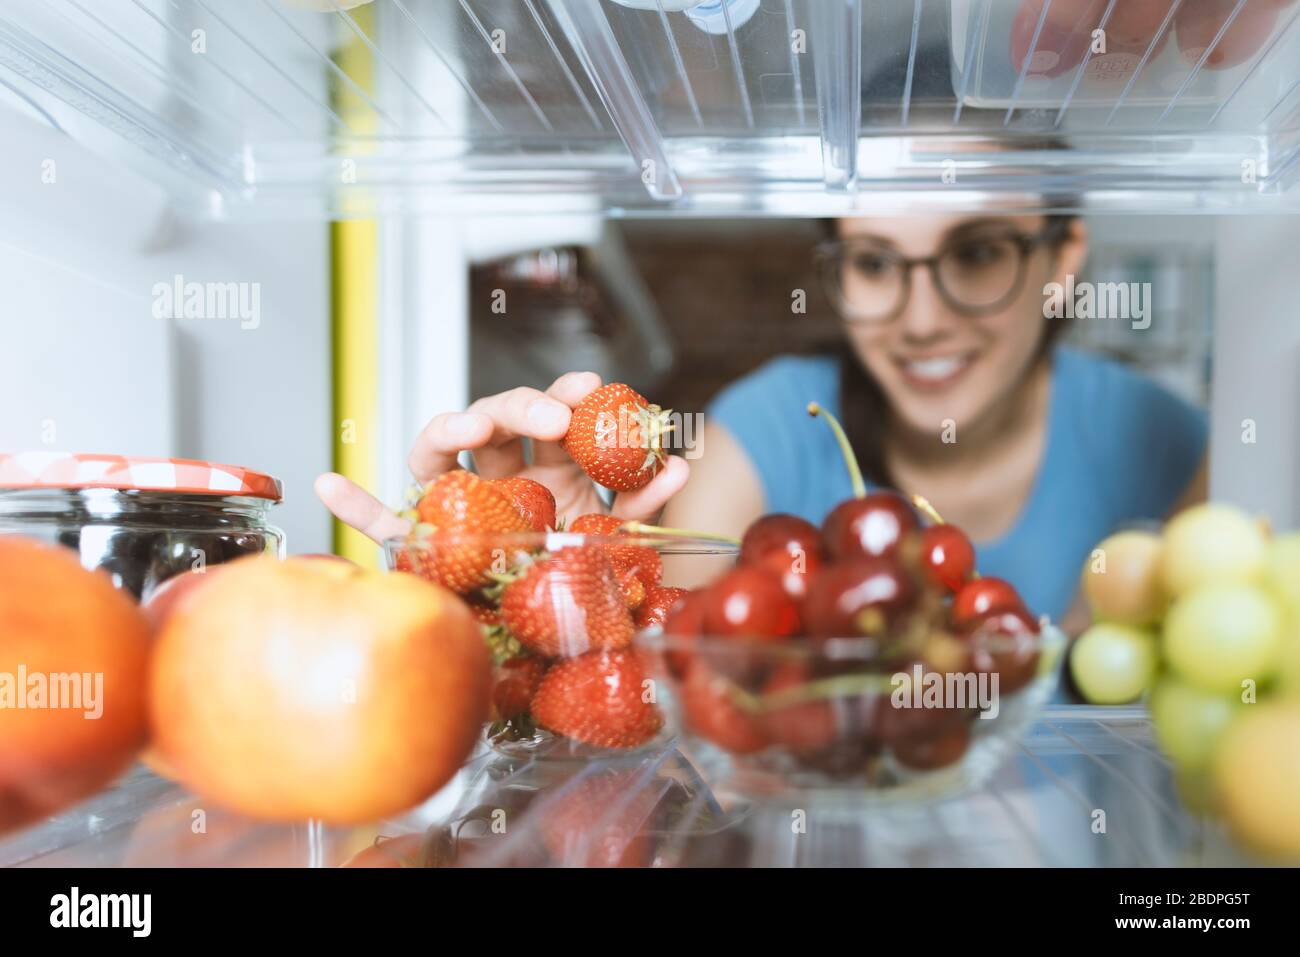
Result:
933,361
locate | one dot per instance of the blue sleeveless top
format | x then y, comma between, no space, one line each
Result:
1119,449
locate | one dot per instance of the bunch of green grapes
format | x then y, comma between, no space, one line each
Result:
1203,622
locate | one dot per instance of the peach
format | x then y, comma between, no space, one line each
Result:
313,689
74,656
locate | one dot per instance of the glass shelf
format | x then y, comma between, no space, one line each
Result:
277,108
675,810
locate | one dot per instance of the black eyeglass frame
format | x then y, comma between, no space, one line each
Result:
827,256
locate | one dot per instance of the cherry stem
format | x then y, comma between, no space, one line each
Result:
851,460
640,528
925,508
839,686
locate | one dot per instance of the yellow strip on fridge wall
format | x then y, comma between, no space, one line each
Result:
355,310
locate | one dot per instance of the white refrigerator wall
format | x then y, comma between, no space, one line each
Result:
87,364
1255,432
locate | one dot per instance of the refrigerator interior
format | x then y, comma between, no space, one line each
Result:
225,140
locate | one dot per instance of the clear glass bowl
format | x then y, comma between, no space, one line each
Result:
560,612
851,717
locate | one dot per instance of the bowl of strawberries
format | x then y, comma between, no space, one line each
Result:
866,656
559,610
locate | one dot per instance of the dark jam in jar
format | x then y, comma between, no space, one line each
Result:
144,536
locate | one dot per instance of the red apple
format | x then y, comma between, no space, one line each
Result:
164,599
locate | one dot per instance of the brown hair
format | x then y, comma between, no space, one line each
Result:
864,408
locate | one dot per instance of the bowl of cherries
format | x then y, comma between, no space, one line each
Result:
865,656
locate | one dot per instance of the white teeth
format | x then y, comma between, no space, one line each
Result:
935,368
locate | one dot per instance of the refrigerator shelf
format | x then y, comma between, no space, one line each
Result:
273,108
1088,788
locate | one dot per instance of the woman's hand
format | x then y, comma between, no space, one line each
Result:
493,429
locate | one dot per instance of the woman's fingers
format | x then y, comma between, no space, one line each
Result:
570,388
436,447
517,414
354,506
646,503
490,428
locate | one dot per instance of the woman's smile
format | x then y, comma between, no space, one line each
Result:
933,373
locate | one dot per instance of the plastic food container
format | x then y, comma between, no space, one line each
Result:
856,717
142,520
560,612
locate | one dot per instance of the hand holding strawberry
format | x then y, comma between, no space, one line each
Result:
494,429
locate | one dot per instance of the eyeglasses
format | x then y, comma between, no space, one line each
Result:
977,274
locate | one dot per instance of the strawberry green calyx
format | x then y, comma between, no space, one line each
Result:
850,460
653,424
501,644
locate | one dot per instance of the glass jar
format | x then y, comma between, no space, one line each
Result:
140,520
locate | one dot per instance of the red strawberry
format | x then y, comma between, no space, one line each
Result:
658,602
602,820
616,436
630,586
711,711
532,500
600,698
414,561
596,523
641,560
516,681
461,503
567,604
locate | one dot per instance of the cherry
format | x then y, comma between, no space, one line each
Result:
683,624
863,596
1005,643
750,601
865,525
872,526
893,723
931,752
804,726
787,545
978,599
947,556
710,711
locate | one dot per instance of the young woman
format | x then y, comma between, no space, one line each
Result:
951,384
